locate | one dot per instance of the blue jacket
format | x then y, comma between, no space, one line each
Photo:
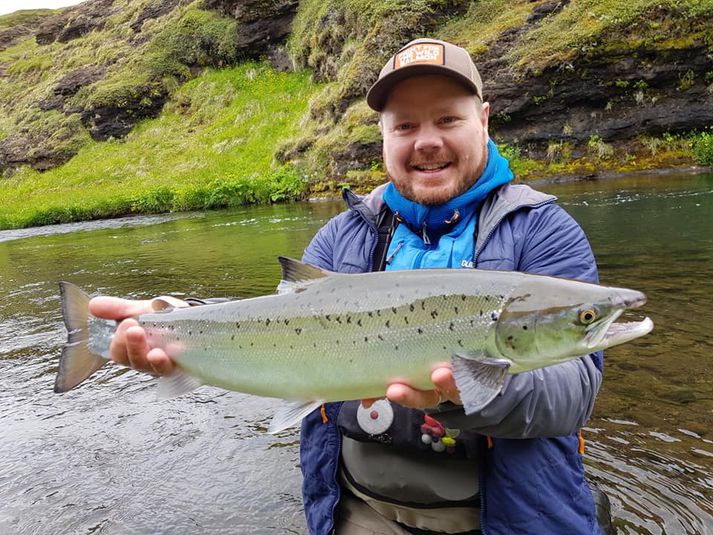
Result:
531,478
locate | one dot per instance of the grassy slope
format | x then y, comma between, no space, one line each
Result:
214,143
212,146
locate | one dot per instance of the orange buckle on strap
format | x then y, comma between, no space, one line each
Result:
323,412
581,443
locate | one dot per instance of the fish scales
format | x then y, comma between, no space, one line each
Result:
337,346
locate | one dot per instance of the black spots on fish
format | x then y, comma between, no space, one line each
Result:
487,298
419,330
190,333
314,344
349,319
298,330
354,342
423,306
366,338
388,324
328,317
171,328
451,326
237,325
380,337
406,320
378,313
291,346
524,327
267,322
359,322
460,343
445,348
463,297
338,320
370,314
411,307
494,316
154,324
252,344
472,323
434,314
351,361
337,342
200,332
396,348
481,313
455,309
393,309
287,322
232,337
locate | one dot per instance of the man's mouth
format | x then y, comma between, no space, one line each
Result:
430,167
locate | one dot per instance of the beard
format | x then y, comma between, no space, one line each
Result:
434,196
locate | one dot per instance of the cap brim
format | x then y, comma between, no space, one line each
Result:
378,93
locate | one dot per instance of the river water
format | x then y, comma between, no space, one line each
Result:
108,458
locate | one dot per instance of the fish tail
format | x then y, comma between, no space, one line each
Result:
80,357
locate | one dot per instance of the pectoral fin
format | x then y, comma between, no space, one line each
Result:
177,384
479,379
291,414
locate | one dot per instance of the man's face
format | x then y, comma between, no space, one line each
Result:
435,138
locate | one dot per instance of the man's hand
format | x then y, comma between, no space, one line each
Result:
129,345
445,390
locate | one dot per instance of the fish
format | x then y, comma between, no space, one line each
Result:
333,337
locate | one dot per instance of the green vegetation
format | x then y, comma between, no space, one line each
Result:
703,147
211,147
484,22
585,26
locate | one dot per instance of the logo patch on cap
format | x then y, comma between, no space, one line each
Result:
420,53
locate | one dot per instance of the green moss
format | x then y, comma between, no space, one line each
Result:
25,17
590,26
484,22
177,162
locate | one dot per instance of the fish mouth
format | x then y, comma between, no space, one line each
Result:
605,333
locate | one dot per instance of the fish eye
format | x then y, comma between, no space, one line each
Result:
587,316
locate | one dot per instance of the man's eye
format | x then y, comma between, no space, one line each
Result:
449,119
404,126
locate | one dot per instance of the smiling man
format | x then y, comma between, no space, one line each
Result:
414,463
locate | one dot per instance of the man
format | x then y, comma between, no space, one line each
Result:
390,468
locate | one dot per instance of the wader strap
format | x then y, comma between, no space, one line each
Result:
386,225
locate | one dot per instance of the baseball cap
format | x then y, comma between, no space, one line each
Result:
425,56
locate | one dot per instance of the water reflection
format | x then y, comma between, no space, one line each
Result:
108,458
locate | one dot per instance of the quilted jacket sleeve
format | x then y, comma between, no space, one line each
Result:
556,400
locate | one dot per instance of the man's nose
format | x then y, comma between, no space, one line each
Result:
428,140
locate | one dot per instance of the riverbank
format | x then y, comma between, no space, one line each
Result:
138,176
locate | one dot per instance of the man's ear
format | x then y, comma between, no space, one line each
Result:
485,115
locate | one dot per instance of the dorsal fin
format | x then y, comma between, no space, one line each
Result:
296,271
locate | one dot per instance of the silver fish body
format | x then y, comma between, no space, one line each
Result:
339,337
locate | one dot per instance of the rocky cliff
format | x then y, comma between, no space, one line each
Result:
565,78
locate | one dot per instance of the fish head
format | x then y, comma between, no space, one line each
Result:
549,320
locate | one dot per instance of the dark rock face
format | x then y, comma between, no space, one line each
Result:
75,22
153,11
612,95
264,26
109,121
21,149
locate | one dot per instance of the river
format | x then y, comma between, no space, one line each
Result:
109,458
